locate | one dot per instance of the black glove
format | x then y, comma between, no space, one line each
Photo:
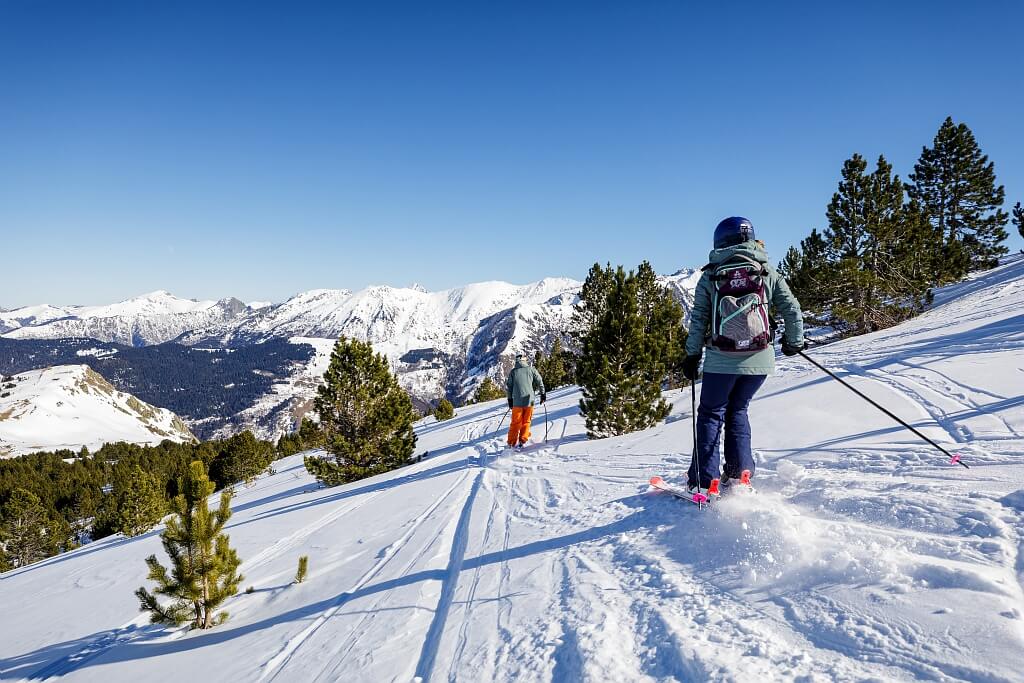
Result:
690,367
791,350
510,403
543,398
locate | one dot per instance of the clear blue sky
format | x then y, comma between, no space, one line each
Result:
261,149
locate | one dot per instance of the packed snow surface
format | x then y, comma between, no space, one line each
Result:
863,556
70,406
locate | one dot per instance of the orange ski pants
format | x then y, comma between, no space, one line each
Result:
519,430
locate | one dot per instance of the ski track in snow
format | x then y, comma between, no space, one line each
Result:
282,658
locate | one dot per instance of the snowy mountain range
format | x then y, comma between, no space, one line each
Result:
439,343
863,556
152,318
70,406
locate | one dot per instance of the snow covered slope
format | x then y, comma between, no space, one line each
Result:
31,315
864,556
148,319
71,406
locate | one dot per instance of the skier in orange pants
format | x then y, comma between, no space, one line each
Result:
523,385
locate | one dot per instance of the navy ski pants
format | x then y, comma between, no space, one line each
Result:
723,401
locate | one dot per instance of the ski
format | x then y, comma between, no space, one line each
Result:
698,498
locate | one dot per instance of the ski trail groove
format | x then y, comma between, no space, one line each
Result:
463,636
963,400
305,532
932,411
357,631
277,663
428,654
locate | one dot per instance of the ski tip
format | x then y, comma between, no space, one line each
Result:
657,481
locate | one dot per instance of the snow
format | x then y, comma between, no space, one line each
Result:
863,556
71,406
154,303
32,315
402,319
98,353
148,319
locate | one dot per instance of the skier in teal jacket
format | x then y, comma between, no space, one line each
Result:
735,331
523,386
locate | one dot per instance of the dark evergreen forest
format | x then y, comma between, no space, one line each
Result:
192,382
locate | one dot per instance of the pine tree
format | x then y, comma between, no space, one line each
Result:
444,410
807,271
204,567
366,416
488,391
956,185
29,532
300,573
593,300
288,444
5,564
241,459
871,241
663,324
310,434
1018,218
307,437
556,372
621,367
136,503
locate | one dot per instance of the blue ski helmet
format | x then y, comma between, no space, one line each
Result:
733,230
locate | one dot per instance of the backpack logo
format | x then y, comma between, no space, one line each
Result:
738,279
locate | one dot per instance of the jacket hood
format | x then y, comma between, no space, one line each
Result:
521,363
751,250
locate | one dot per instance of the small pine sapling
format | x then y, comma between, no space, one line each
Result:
300,574
204,567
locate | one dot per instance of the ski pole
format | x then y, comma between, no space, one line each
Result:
693,421
545,404
953,459
502,419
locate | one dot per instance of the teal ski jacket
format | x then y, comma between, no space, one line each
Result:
779,296
524,384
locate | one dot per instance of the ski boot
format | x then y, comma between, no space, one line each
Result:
741,484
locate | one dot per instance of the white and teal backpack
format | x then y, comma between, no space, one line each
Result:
739,306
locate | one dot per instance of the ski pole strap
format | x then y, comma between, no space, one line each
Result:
953,459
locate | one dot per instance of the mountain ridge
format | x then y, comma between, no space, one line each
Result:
440,344
71,406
